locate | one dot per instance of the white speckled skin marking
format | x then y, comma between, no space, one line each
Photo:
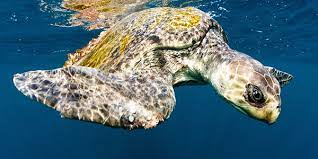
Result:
125,77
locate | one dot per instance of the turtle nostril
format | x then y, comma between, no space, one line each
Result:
279,108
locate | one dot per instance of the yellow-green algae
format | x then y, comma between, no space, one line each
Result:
189,19
112,44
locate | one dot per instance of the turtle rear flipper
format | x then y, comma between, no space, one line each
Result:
128,100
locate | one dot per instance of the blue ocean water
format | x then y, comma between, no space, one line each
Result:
280,33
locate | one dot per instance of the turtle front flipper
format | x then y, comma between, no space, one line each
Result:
129,100
282,77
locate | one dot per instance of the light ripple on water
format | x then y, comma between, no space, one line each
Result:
57,12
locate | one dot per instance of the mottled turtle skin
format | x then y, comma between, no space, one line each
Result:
125,77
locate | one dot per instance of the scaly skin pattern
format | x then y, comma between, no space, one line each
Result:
130,100
125,77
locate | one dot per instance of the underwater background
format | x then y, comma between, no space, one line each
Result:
279,33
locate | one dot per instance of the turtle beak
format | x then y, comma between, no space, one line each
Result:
272,116
268,116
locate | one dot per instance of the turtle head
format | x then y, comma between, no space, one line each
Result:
252,88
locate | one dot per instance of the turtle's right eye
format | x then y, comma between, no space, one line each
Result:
254,95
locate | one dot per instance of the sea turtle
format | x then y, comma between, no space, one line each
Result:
125,77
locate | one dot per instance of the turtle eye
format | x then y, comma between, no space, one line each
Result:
255,95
